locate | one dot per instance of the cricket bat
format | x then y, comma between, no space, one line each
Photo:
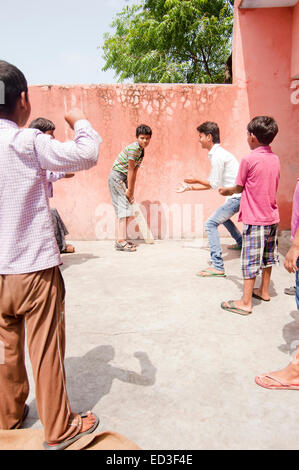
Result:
143,227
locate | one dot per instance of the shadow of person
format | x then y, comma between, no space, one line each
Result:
290,333
76,258
89,378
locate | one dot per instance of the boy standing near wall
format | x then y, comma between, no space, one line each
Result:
257,180
224,171
31,285
123,175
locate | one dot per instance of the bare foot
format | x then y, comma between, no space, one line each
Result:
263,295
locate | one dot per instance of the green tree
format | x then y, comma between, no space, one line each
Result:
171,41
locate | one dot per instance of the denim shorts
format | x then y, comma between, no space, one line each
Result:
121,204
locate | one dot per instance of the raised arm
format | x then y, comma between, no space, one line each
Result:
79,154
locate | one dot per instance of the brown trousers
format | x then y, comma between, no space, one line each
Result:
37,300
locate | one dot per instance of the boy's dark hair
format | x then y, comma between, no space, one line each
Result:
42,124
13,83
264,128
211,128
143,130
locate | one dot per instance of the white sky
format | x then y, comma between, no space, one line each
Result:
57,41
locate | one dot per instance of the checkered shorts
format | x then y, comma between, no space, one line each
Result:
259,249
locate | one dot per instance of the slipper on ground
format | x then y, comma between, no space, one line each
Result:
256,296
64,444
278,385
232,308
209,274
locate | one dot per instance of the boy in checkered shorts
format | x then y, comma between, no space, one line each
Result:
257,180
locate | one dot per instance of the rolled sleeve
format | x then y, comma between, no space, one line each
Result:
79,154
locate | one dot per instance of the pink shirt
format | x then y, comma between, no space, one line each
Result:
295,211
27,240
259,175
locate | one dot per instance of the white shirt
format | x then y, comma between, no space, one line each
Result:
27,240
225,168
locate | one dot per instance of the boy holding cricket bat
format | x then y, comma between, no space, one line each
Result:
123,175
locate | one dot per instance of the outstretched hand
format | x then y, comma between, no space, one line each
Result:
182,188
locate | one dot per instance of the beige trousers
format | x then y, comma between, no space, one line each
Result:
37,300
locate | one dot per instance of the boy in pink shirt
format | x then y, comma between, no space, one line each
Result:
257,180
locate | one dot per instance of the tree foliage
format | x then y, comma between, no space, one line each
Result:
171,41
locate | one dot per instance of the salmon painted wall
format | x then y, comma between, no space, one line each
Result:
173,112
262,62
295,45
263,57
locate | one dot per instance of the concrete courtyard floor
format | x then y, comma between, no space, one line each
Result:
150,350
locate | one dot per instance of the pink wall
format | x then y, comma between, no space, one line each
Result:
262,58
263,42
173,112
295,45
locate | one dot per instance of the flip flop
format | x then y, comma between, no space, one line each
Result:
232,308
64,444
259,297
280,385
209,274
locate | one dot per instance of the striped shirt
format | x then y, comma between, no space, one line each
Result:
131,152
27,240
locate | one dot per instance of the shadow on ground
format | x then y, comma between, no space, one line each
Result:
90,378
290,333
76,258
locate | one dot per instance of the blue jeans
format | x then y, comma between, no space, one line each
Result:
222,216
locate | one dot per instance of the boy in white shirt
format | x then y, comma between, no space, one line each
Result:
224,171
